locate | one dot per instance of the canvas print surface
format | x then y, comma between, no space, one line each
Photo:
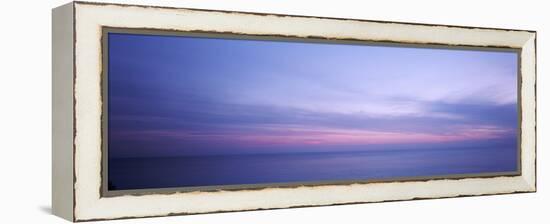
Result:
192,111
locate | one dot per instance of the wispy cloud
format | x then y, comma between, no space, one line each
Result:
250,93
307,135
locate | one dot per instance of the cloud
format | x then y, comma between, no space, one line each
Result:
207,127
266,93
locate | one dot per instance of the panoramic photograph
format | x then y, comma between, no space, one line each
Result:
221,112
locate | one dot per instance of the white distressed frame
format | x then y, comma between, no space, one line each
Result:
89,19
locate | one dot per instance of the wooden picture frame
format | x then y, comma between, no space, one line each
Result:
79,103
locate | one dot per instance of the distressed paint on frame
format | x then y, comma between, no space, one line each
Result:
92,212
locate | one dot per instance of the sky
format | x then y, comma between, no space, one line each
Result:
178,96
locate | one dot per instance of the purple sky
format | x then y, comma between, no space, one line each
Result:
193,96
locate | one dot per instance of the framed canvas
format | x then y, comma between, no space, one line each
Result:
168,111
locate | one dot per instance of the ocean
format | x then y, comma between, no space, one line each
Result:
213,170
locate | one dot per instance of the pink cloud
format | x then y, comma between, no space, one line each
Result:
365,137
298,135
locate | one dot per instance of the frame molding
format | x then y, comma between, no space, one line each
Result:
89,19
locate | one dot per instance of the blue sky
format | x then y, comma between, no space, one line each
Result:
173,95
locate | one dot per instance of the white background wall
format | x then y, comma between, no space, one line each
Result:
25,123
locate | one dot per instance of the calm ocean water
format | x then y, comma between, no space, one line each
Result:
142,173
